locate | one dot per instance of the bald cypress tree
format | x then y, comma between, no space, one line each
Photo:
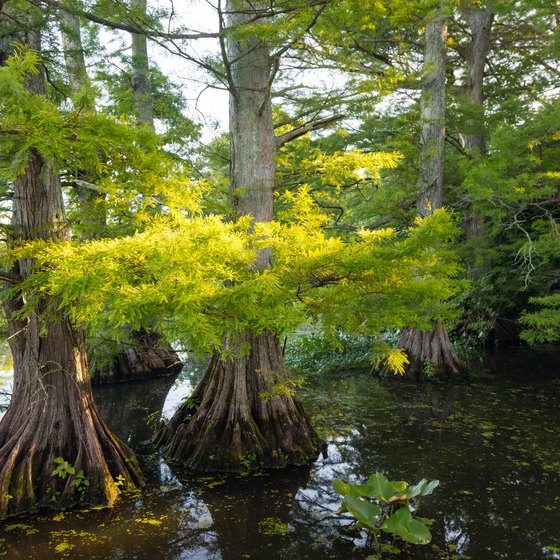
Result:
52,418
432,348
235,425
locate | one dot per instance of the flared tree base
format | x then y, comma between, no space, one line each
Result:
146,356
57,452
431,353
243,415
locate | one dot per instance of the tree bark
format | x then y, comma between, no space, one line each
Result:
234,422
74,60
51,413
237,426
433,349
141,85
480,23
431,353
474,136
432,116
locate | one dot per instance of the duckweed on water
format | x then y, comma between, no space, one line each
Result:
493,445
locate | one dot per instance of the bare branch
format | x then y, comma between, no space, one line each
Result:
305,128
129,27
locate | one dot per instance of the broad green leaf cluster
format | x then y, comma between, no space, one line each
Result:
387,506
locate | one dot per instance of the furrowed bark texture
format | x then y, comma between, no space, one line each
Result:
474,138
237,426
435,347
432,115
51,413
432,349
141,70
239,423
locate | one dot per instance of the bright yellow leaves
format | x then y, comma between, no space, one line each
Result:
350,166
396,360
191,277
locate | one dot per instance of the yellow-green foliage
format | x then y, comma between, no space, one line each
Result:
125,163
192,276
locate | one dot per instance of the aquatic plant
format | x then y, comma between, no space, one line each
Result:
387,506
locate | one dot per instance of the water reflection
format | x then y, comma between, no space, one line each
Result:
129,418
493,444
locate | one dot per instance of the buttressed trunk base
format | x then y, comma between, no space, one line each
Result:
243,414
431,353
51,419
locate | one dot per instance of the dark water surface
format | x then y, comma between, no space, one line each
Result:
494,444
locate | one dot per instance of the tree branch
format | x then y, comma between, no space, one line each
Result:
129,27
305,128
10,277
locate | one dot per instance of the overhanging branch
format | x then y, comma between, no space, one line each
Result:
129,27
305,128
10,277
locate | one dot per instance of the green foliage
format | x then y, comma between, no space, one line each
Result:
80,481
515,189
189,403
120,481
63,468
286,387
168,105
191,277
387,506
319,352
134,177
542,325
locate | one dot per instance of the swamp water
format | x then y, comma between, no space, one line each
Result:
493,443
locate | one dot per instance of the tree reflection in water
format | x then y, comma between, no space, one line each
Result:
493,444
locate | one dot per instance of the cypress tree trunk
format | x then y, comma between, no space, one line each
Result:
147,354
233,421
236,426
474,137
51,413
141,85
431,349
70,31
